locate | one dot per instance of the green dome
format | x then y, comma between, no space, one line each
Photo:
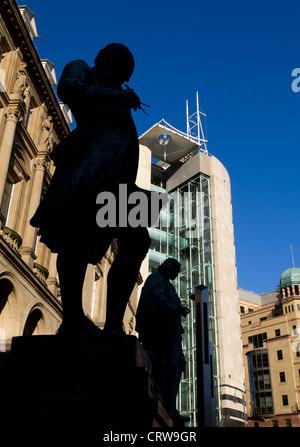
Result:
290,277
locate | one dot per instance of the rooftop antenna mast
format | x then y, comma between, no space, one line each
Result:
194,125
292,256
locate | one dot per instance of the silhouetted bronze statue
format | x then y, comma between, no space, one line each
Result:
158,322
99,155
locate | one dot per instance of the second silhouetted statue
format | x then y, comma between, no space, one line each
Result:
158,322
99,155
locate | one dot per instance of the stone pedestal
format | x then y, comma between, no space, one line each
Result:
79,387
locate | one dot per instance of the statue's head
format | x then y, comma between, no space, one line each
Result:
170,268
117,61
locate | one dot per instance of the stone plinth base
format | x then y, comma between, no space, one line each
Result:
79,386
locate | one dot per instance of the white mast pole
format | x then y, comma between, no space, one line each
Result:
198,119
187,119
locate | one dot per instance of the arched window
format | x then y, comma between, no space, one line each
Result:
6,288
35,323
8,314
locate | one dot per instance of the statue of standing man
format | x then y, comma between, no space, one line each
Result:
158,322
99,155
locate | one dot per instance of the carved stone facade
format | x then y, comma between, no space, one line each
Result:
32,122
270,337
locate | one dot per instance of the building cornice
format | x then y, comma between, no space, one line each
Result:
19,34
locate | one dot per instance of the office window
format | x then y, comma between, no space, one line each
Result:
260,381
288,423
257,340
285,400
279,355
264,402
282,376
277,332
275,423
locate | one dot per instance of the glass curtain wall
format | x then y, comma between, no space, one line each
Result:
160,239
260,382
184,232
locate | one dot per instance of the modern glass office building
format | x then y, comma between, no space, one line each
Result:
184,233
196,229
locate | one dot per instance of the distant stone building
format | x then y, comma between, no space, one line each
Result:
32,122
270,335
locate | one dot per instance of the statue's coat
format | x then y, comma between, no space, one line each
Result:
101,153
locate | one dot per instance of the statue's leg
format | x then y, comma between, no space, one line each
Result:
133,245
71,277
178,419
71,267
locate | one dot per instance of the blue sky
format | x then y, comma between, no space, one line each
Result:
239,56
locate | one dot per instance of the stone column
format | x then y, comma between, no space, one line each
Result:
13,114
52,281
29,237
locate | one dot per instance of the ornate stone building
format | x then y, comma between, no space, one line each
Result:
270,334
32,122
